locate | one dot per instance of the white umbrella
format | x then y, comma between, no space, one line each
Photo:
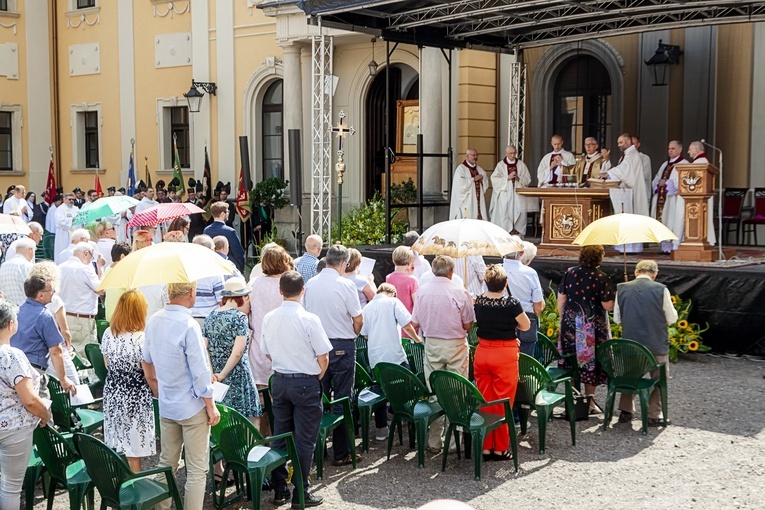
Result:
465,238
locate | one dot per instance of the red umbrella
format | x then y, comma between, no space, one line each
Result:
163,212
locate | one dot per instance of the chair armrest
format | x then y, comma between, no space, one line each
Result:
155,471
495,402
276,437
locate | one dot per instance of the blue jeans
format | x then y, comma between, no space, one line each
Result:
297,408
529,338
339,379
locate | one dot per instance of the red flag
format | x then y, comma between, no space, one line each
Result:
50,186
97,187
243,199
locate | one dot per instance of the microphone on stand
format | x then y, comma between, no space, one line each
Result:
719,200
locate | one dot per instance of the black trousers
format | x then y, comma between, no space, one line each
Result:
296,406
339,377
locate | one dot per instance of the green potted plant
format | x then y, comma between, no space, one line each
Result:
404,192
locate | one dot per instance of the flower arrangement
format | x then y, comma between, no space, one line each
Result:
684,336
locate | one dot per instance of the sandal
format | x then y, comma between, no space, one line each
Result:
596,410
488,456
506,455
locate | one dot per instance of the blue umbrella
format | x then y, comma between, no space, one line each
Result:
103,207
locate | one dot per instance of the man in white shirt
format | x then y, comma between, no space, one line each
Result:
92,197
523,284
15,270
79,290
18,202
35,234
65,214
421,264
50,218
78,236
551,168
107,236
335,300
299,349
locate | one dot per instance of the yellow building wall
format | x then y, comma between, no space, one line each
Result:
152,83
14,91
477,110
734,92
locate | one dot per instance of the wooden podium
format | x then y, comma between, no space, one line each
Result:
567,211
696,183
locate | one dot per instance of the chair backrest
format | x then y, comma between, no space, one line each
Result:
49,244
625,359
96,358
415,355
733,201
362,380
532,377
105,467
402,387
235,435
472,336
101,326
759,202
362,352
457,396
55,451
64,415
545,351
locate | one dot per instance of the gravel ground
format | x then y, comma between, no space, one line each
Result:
712,456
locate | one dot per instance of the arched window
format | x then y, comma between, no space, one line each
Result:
272,140
582,102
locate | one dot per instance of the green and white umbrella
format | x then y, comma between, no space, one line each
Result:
103,207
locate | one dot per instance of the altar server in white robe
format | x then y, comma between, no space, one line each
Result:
550,169
630,197
698,156
647,168
65,213
666,205
469,190
506,209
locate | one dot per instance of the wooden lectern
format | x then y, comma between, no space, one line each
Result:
696,183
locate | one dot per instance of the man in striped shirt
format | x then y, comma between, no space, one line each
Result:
208,289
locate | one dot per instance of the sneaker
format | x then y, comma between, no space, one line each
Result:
381,434
281,495
310,500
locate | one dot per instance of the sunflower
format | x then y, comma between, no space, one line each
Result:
674,299
550,332
683,324
693,345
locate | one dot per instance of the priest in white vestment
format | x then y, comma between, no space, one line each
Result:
630,197
551,168
18,202
506,208
666,205
647,168
65,213
698,156
468,198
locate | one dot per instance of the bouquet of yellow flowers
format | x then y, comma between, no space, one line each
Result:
549,322
685,336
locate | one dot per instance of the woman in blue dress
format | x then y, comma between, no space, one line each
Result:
227,332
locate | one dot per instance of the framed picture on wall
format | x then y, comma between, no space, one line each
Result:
408,125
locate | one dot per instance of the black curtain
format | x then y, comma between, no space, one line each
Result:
375,127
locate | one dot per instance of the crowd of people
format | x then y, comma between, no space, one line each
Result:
640,190
293,324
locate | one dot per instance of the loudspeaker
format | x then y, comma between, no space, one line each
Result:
296,167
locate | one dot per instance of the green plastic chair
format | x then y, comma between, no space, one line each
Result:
362,353
68,417
471,363
363,382
118,485
96,358
64,467
535,390
415,356
235,436
48,244
409,399
546,353
79,363
329,422
101,325
35,469
267,408
627,363
461,401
